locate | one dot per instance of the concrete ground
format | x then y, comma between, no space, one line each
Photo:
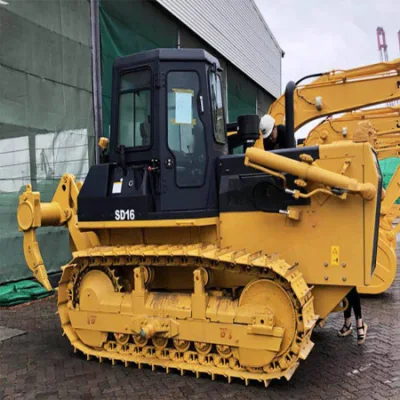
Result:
42,365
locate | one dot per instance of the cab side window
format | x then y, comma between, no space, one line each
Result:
134,128
217,107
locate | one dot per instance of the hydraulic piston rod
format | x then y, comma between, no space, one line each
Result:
310,172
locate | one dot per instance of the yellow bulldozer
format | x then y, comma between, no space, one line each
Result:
186,257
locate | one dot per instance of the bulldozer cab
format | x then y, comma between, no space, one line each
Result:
167,129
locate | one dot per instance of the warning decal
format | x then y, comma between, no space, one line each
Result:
334,255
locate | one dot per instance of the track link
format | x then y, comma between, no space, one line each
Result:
256,265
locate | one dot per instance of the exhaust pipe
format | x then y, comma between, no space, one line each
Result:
290,141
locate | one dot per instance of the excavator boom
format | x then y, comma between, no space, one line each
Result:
340,91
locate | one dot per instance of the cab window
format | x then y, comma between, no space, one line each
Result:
186,136
217,108
134,127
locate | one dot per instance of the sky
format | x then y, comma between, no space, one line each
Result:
318,36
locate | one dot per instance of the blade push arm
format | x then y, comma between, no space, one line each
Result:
257,157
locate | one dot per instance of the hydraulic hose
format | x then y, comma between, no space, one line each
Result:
310,76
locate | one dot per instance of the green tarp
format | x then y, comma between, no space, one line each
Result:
127,28
12,294
242,95
388,167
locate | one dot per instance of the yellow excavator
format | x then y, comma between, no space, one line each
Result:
336,92
186,257
385,122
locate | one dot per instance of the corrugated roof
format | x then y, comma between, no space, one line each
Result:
237,30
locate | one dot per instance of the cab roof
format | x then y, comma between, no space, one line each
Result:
166,55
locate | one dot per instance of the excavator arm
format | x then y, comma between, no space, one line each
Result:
339,91
385,121
386,152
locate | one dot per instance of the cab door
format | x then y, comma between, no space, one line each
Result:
184,156
133,145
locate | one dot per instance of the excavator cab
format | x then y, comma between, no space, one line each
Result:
167,130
